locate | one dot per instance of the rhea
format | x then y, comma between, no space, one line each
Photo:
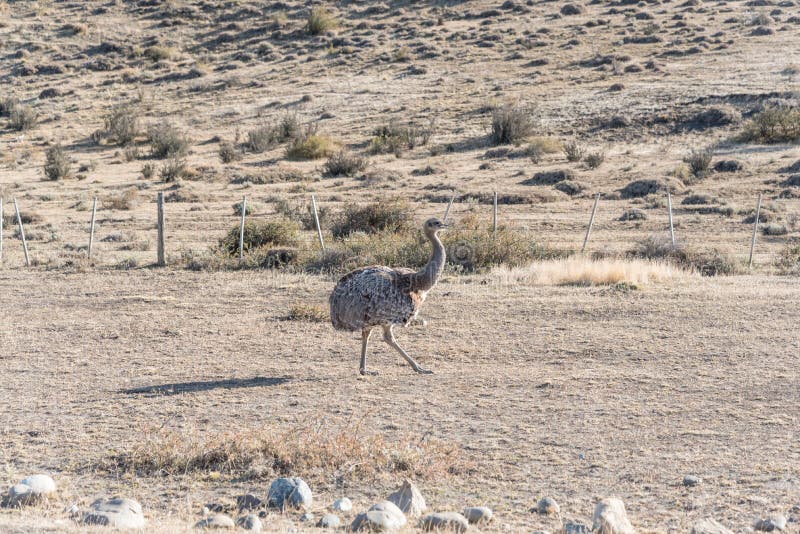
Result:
378,296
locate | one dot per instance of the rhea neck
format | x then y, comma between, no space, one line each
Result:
427,277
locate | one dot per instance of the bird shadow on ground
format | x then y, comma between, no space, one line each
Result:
178,388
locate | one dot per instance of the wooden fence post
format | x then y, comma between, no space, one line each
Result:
91,227
494,218
671,227
22,234
1,230
755,231
316,222
241,229
449,205
591,222
161,259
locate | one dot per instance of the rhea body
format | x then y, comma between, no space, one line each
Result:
378,296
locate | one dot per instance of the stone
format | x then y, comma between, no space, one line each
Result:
32,489
709,526
548,506
250,522
329,521
248,502
342,505
216,521
408,499
477,515
115,512
292,492
728,165
449,521
776,522
384,516
575,528
690,481
610,517
308,516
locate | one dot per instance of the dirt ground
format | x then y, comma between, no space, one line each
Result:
569,392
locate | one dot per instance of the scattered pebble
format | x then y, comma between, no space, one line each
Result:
250,522
610,517
216,521
409,499
709,526
115,512
342,505
290,492
32,489
548,506
329,521
449,521
776,522
478,514
690,481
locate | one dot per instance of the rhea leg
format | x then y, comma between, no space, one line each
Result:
365,333
388,337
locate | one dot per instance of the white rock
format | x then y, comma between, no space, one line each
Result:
216,521
690,481
409,499
342,505
250,522
709,526
290,492
610,518
449,521
308,516
115,512
776,522
329,521
384,516
478,514
31,490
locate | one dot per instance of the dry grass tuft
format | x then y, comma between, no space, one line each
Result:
317,451
311,147
309,313
590,272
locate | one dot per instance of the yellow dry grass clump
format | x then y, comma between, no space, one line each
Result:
589,272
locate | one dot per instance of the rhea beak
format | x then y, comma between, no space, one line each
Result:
444,226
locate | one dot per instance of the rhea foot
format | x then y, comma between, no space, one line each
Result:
364,372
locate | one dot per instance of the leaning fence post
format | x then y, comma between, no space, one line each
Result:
755,231
91,227
494,218
316,222
671,227
22,234
161,260
449,205
241,229
1,230
591,222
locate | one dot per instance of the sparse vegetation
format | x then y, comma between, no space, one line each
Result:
393,138
512,124
258,234
344,163
788,261
22,117
706,263
775,124
699,161
308,313
320,21
148,171
57,165
125,200
122,124
227,152
390,216
160,53
311,147
303,213
573,151
172,169
594,159
166,141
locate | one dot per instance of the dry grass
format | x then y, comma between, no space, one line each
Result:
590,272
318,450
308,312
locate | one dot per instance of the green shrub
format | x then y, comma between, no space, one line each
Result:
173,168
512,124
594,159
343,163
319,21
167,141
258,234
384,216
7,104
775,124
57,164
252,207
122,124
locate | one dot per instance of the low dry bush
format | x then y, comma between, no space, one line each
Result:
393,138
320,451
590,272
258,234
384,216
344,163
775,124
57,165
707,263
122,124
512,124
167,141
303,213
